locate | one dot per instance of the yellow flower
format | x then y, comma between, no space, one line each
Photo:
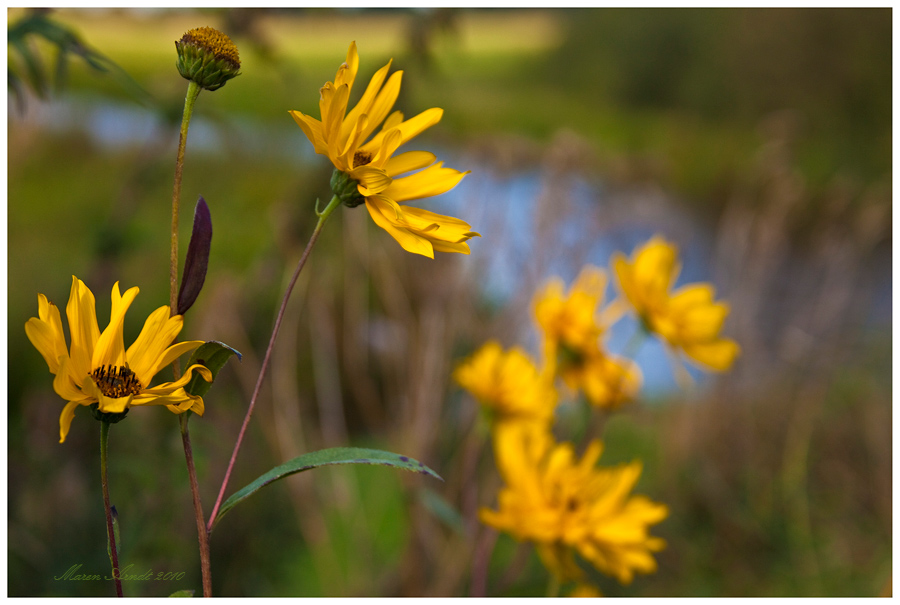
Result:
565,505
367,171
97,369
572,325
607,381
508,384
586,591
688,318
572,319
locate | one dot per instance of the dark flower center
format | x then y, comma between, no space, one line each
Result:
116,381
361,158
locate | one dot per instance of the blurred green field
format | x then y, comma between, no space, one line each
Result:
770,129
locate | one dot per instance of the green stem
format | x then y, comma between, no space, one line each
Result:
202,533
110,530
323,216
553,586
192,92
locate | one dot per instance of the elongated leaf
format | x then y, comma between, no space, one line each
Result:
182,593
335,455
213,355
438,506
197,259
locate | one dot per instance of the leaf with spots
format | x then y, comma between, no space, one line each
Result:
335,455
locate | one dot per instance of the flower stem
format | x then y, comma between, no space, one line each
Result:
192,92
202,532
553,586
110,530
323,216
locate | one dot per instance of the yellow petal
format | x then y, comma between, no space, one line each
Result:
312,128
83,331
434,180
380,210
371,180
448,229
65,384
409,161
332,107
168,388
171,354
365,104
178,401
718,355
108,405
46,334
110,347
346,73
65,419
414,126
384,102
158,332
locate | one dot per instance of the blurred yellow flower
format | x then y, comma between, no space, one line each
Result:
571,320
366,172
97,369
688,318
585,590
572,325
607,381
508,384
565,505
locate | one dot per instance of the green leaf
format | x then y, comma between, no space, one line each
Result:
438,506
213,355
182,593
335,455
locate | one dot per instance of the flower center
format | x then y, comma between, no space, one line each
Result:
361,158
215,42
116,381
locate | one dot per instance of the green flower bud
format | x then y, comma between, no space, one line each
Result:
208,57
346,189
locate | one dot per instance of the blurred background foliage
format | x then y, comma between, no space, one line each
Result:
758,140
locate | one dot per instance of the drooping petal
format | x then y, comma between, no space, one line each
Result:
46,334
65,419
168,388
170,355
380,211
449,229
177,401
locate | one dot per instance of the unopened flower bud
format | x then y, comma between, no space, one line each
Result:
208,57
346,188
